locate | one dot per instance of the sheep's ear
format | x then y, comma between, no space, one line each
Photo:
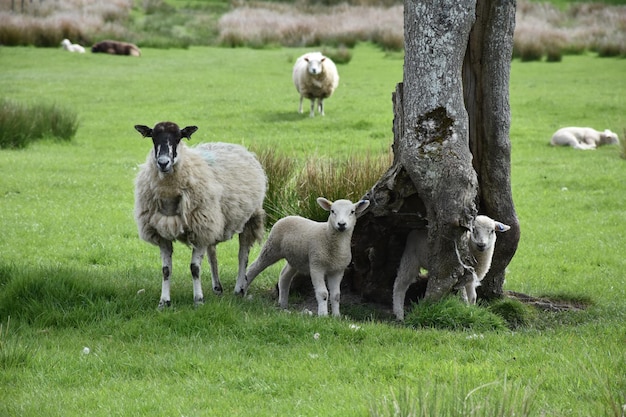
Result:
360,206
325,204
188,131
145,131
501,227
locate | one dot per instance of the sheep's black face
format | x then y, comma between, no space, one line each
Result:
166,137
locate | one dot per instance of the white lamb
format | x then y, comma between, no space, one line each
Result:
584,138
72,47
481,242
315,77
200,196
319,249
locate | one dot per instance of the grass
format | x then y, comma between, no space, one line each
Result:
74,274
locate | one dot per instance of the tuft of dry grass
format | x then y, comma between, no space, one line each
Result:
297,26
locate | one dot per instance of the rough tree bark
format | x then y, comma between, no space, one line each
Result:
451,149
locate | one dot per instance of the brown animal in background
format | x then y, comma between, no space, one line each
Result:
116,48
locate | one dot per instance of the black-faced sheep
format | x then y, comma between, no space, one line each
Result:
200,196
584,138
318,249
72,47
116,48
315,77
481,243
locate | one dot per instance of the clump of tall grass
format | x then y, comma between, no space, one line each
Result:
452,313
455,399
21,124
294,185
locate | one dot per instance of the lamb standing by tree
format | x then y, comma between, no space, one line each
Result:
200,196
481,242
319,249
315,77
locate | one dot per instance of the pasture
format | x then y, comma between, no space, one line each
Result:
75,275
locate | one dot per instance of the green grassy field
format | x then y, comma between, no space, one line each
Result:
74,274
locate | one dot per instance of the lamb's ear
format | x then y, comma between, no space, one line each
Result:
188,131
145,131
325,204
360,206
501,227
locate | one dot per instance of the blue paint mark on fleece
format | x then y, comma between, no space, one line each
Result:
207,155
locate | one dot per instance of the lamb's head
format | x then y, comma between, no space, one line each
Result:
314,63
608,138
65,43
343,213
166,137
483,235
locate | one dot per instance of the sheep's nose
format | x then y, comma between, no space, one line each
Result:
341,226
481,246
163,163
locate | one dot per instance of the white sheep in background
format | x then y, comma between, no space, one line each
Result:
72,47
318,249
481,242
315,77
584,138
200,196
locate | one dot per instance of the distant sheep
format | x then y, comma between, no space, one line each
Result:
318,249
72,47
315,77
200,196
116,48
481,242
584,138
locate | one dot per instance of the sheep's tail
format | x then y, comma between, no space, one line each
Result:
254,230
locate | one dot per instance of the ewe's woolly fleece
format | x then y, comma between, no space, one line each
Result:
220,186
319,86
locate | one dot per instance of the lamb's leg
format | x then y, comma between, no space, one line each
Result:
267,257
408,272
321,106
166,261
312,112
284,282
244,252
196,267
334,288
215,277
321,292
300,108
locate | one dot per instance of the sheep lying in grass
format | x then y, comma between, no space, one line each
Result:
200,196
72,47
584,138
481,242
315,77
319,249
116,48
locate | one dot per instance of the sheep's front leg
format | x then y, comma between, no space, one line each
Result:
321,106
166,262
300,108
287,275
334,288
312,112
215,277
196,268
321,292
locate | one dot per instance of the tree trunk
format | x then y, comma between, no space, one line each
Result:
451,149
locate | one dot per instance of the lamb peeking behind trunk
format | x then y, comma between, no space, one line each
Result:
481,243
318,249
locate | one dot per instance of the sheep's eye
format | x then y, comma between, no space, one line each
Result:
332,211
352,212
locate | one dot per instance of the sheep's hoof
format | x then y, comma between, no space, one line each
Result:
198,303
218,290
164,304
